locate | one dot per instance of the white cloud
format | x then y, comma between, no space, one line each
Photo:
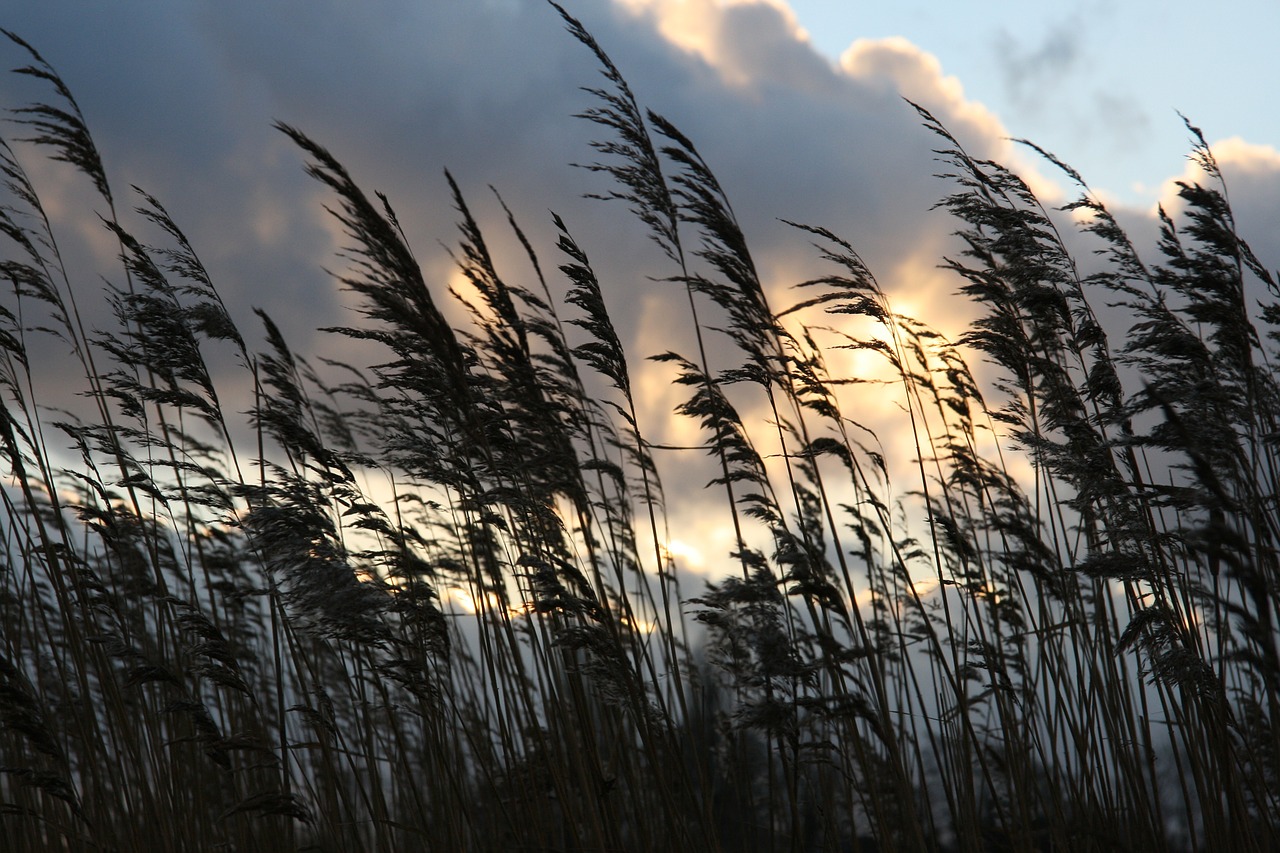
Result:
1252,175
750,43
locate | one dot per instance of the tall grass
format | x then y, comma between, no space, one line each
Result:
430,604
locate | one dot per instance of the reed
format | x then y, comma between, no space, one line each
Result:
428,603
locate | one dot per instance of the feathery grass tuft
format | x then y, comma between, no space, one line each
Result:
437,605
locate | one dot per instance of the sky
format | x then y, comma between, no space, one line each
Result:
797,107
1099,83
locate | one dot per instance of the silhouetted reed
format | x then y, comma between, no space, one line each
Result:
435,607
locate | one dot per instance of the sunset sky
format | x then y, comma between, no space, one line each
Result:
799,109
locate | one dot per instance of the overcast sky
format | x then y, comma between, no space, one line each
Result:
798,109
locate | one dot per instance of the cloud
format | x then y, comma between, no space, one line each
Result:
181,95
1028,70
1251,173
749,43
1121,117
897,66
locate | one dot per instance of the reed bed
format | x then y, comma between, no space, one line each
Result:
429,602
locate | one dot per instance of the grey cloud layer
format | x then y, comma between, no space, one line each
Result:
181,95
